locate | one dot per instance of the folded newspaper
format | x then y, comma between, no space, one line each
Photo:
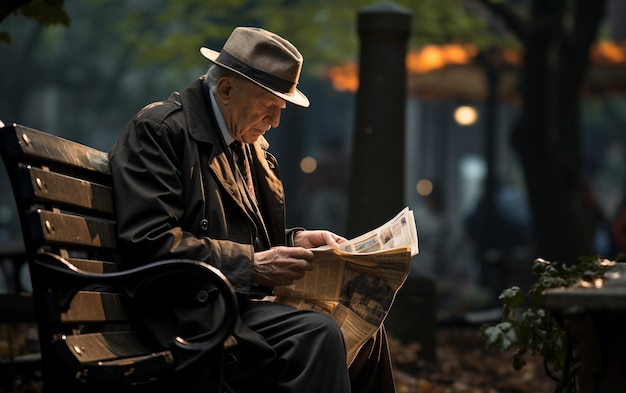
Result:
357,283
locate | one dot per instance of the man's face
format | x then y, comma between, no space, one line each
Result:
251,110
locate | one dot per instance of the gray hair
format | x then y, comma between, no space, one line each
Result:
215,72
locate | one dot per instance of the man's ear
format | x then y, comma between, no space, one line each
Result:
224,90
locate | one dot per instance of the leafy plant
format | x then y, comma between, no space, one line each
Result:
527,327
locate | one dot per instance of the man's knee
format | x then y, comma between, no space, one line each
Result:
323,323
320,347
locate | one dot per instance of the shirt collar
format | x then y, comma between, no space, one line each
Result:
221,123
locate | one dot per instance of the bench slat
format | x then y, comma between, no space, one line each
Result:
94,266
37,145
95,347
48,186
66,229
93,307
141,368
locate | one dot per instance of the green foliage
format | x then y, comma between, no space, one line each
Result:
44,12
119,54
325,31
527,327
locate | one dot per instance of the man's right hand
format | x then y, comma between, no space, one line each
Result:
281,265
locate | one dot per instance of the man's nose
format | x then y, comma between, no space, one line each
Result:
273,118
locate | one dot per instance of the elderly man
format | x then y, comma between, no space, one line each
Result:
193,179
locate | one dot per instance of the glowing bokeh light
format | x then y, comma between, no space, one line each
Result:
465,115
308,165
424,187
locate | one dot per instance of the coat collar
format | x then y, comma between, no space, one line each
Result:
202,127
200,118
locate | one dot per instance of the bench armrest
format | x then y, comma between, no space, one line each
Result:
65,280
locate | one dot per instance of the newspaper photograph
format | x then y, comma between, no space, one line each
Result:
357,283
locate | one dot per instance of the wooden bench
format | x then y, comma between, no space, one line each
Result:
86,305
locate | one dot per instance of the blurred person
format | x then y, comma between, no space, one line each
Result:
184,189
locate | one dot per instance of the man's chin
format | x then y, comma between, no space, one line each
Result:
253,136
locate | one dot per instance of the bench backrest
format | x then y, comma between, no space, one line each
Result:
64,197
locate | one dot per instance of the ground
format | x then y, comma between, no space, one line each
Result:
464,366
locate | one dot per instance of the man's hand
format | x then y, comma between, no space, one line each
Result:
312,239
281,265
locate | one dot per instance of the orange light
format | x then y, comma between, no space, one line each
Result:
609,53
432,57
344,77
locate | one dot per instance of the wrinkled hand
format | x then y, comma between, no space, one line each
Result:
311,239
281,265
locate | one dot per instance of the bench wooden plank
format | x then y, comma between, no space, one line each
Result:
50,149
94,266
96,347
95,307
135,371
71,230
45,186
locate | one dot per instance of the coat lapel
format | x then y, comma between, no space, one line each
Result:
202,127
272,200
221,169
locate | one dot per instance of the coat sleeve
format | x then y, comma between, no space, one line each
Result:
148,191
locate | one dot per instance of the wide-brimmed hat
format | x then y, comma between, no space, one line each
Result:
264,58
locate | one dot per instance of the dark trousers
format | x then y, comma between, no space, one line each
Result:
371,371
310,354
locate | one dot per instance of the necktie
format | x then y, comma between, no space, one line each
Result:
244,165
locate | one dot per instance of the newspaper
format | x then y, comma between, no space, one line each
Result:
357,283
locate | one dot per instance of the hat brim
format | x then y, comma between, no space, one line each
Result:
297,98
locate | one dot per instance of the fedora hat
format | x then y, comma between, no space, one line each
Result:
264,58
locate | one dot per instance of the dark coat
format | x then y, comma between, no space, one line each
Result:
177,194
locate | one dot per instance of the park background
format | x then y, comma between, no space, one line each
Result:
513,134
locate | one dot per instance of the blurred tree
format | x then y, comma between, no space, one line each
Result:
556,36
118,55
46,12
324,31
71,79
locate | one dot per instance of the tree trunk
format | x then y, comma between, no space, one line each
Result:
547,136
